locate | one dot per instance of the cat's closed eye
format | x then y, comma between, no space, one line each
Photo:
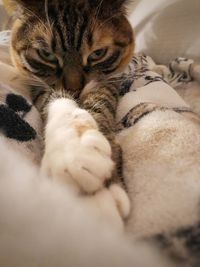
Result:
97,54
47,56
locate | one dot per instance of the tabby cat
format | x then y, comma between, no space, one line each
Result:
75,47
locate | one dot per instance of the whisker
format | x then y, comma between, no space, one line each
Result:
47,17
30,12
107,20
96,15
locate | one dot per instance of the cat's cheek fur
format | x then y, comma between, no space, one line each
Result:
76,153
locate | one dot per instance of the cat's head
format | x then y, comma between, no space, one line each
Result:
69,42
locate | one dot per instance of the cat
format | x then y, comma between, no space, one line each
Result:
75,47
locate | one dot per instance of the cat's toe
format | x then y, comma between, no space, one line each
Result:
110,205
93,161
88,161
121,199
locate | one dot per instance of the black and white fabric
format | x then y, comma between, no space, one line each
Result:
145,82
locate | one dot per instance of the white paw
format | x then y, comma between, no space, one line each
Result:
121,200
76,153
110,205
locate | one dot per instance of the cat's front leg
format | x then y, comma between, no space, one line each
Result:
100,99
76,153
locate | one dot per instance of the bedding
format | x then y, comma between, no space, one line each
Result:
167,29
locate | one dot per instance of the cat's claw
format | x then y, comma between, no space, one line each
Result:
76,153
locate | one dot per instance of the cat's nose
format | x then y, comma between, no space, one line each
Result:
73,80
73,74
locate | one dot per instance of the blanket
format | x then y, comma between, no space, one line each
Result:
160,139
20,121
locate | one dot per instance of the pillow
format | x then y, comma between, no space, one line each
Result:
166,29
